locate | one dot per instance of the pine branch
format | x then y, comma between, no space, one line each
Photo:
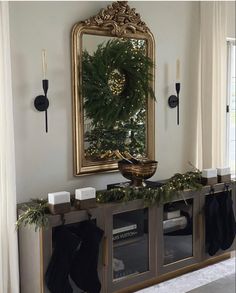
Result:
34,214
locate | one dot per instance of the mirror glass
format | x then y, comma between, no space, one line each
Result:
113,89
126,132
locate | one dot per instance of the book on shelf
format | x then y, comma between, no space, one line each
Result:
123,230
171,214
174,224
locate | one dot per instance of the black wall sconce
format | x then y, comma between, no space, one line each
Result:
173,100
41,102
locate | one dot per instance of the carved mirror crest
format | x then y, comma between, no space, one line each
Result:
113,89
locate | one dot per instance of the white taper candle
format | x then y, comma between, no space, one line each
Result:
44,63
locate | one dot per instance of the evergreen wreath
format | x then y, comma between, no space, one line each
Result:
128,58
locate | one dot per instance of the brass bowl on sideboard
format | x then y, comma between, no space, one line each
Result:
138,172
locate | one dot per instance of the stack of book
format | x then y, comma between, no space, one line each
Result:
124,230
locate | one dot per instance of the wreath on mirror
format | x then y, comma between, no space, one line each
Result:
116,80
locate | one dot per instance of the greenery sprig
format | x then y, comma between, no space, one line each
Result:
34,214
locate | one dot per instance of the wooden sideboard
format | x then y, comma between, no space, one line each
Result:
145,252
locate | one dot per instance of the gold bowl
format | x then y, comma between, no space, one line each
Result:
138,172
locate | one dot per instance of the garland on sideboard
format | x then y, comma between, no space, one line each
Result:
35,212
150,195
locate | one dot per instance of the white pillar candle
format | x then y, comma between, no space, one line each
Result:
85,193
58,197
223,171
209,173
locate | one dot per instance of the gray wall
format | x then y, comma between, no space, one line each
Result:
44,161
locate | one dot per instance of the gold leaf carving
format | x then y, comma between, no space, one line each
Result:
120,18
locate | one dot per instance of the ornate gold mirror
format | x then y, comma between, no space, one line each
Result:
113,89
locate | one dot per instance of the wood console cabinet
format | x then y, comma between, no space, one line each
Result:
140,246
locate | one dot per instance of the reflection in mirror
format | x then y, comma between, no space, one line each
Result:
115,76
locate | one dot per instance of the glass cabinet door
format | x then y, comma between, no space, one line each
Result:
178,235
178,231
131,245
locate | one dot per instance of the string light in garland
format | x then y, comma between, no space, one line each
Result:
116,82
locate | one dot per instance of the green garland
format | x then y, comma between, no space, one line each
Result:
128,58
165,193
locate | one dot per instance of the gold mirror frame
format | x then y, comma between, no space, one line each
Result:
117,20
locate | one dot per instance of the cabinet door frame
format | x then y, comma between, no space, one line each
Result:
113,286
197,231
